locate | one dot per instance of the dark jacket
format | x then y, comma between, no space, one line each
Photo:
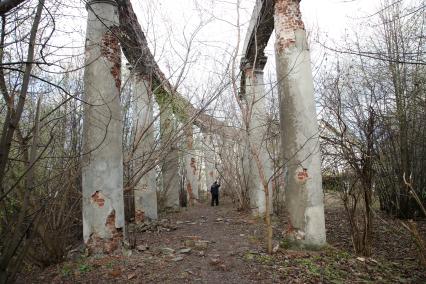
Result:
214,189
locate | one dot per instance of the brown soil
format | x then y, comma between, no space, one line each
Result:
227,246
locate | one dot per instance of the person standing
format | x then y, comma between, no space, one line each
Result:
214,190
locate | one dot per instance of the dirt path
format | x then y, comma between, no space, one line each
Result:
218,238
205,244
201,244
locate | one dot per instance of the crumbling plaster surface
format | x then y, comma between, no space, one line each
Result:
257,136
170,165
191,166
209,160
146,188
102,168
299,126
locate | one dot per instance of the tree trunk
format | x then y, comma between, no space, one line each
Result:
11,124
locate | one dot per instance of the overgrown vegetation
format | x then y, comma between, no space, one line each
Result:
373,96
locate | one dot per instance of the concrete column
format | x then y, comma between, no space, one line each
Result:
191,166
209,160
102,169
247,168
198,153
260,162
170,165
299,127
146,189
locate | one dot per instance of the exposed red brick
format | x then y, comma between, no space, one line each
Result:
189,139
193,166
288,19
290,227
112,244
189,190
110,49
98,199
96,244
139,216
249,72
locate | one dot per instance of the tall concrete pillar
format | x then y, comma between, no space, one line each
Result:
170,165
299,127
247,167
260,161
146,189
102,170
191,166
209,160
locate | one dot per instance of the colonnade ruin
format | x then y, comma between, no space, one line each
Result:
112,28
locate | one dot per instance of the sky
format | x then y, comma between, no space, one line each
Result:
334,16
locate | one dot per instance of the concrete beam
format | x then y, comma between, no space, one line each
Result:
259,31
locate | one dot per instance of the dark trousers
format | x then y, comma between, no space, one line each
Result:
215,199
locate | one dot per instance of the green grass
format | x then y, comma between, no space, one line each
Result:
264,259
248,256
66,270
84,268
312,268
109,265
